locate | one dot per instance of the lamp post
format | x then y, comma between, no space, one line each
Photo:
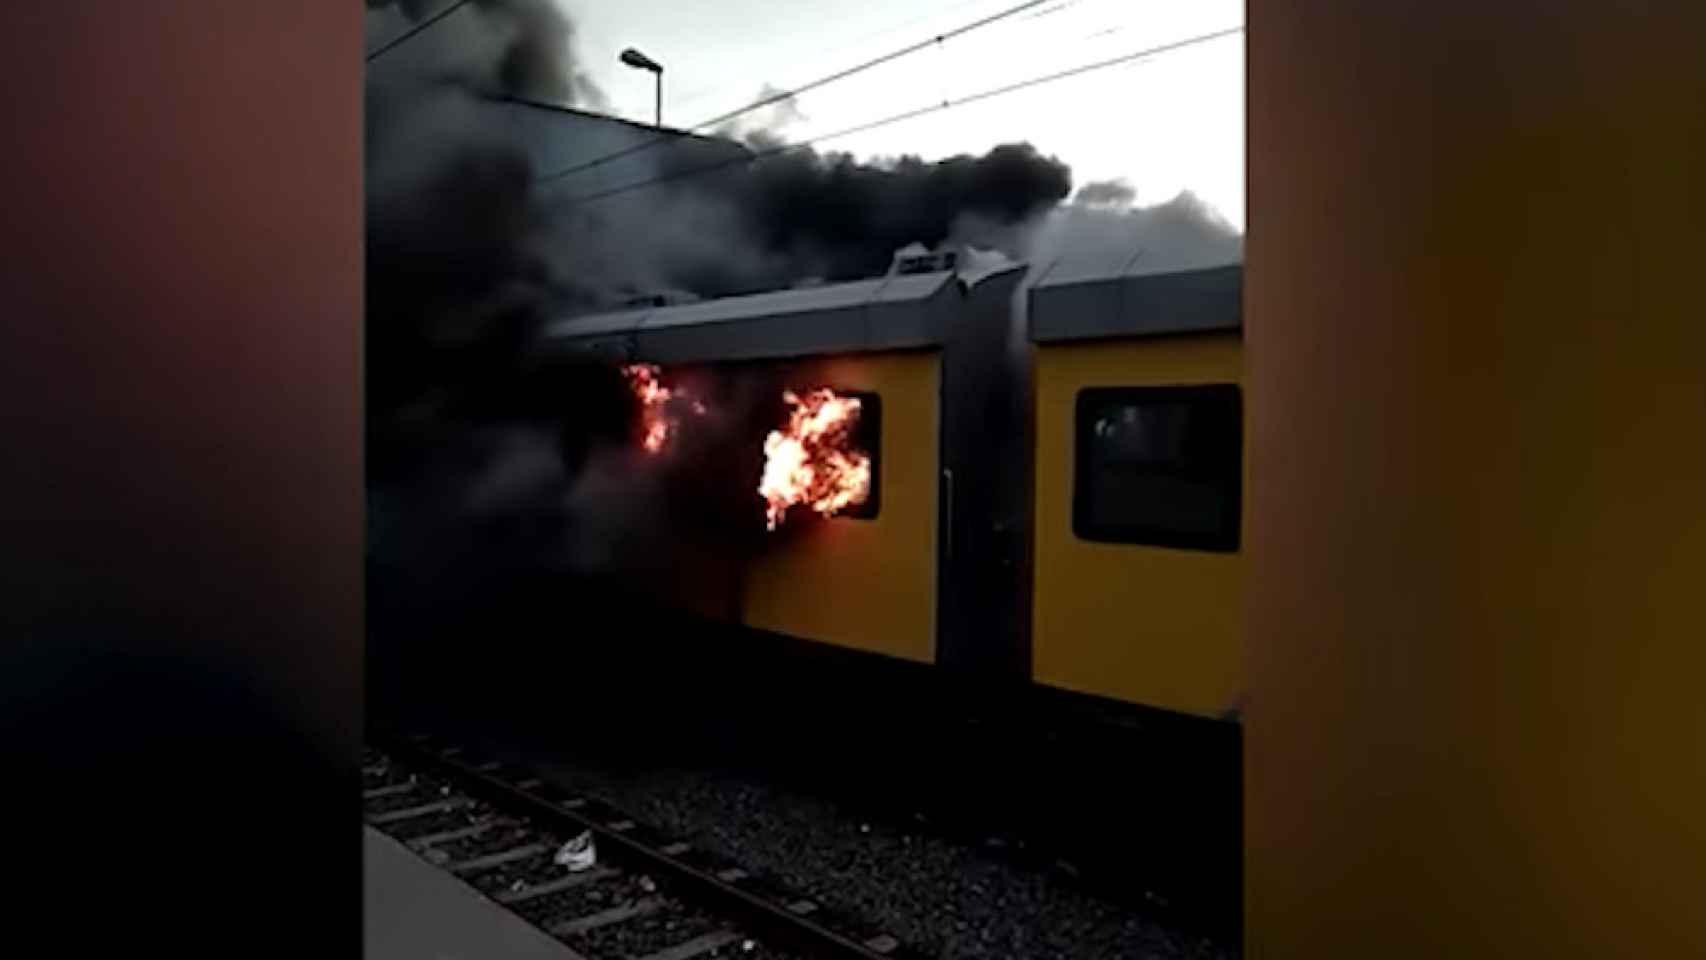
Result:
640,61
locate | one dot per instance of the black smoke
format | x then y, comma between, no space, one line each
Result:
523,47
468,447
799,214
456,280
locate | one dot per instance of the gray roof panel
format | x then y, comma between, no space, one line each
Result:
917,286
779,335
774,303
624,321
1084,302
882,313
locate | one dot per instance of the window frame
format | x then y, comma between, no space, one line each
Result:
1229,539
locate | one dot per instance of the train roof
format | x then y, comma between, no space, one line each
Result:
894,312
1094,299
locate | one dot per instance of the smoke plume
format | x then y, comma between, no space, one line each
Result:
833,217
519,47
1181,233
483,460
1116,193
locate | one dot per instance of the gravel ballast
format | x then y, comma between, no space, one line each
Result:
408,830
516,874
944,898
672,924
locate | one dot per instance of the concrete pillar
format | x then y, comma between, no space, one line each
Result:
1477,388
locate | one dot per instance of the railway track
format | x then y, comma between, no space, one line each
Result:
498,828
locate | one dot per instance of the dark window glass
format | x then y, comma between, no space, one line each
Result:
1160,466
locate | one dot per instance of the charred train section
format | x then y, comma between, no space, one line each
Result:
916,571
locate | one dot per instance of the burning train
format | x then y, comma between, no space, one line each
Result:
1034,476
963,474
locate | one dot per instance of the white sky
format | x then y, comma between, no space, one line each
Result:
1166,123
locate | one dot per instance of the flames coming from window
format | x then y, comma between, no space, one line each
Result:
657,422
812,461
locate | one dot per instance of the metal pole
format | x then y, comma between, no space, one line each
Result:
658,122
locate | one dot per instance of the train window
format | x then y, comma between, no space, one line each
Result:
1159,466
867,436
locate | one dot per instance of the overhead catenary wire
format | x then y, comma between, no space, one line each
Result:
909,114
415,30
816,56
1062,5
813,85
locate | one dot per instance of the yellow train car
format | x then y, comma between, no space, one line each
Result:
1059,491
1139,484
1138,506
880,580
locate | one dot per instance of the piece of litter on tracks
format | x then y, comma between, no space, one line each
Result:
577,854
648,884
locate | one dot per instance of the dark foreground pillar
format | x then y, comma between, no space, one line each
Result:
1477,623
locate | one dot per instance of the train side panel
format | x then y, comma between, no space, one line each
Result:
867,584
1150,625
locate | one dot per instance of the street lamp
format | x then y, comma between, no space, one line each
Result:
640,61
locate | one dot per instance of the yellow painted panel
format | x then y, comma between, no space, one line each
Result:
1142,624
867,584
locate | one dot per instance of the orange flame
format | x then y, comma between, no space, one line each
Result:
656,423
811,462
